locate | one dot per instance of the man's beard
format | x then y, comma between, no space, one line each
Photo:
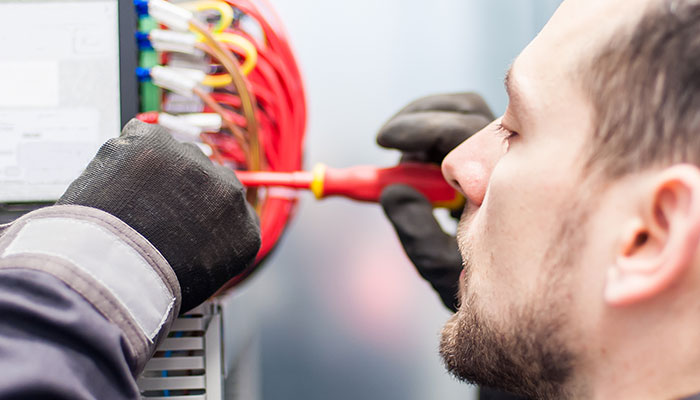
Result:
528,355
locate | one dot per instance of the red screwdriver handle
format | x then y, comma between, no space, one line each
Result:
365,183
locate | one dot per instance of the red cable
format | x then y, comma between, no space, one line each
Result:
278,89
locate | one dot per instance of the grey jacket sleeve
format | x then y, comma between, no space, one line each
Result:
84,300
54,345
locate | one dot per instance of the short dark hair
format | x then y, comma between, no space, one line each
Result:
645,89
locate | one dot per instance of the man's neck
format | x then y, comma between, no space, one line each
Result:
649,373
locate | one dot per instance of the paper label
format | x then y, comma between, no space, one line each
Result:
45,149
28,83
59,92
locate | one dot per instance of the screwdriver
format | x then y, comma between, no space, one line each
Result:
362,183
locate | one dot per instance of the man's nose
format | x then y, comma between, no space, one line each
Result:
468,167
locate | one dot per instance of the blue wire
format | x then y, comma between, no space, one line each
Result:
141,7
143,74
143,41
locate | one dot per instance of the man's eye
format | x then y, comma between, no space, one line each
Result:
506,133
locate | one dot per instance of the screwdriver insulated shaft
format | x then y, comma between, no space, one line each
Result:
362,183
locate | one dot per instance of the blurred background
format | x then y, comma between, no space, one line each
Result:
338,312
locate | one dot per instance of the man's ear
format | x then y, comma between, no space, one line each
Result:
660,243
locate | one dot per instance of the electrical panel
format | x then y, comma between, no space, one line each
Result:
66,86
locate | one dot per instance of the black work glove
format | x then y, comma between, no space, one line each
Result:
425,131
194,212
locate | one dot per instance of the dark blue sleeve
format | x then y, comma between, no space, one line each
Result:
55,345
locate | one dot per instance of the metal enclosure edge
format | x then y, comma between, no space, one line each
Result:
128,61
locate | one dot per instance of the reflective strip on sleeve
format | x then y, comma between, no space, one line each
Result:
107,258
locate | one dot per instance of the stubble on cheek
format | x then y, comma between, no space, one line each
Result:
465,243
526,349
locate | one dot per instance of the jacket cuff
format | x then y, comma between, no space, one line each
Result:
107,262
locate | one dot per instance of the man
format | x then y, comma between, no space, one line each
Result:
581,233
579,237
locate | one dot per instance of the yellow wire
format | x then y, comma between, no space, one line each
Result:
256,160
217,81
251,54
251,58
225,12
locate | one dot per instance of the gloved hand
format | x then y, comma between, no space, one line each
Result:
425,131
194,212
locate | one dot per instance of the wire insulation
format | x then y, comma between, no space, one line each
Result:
253,83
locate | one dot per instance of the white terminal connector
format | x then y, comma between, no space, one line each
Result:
179,127
178,81
196,61
208,122
195,74
170,15
206,149
174,41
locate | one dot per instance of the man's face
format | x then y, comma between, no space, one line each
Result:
530,236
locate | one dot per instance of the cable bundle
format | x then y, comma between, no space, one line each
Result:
229,65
